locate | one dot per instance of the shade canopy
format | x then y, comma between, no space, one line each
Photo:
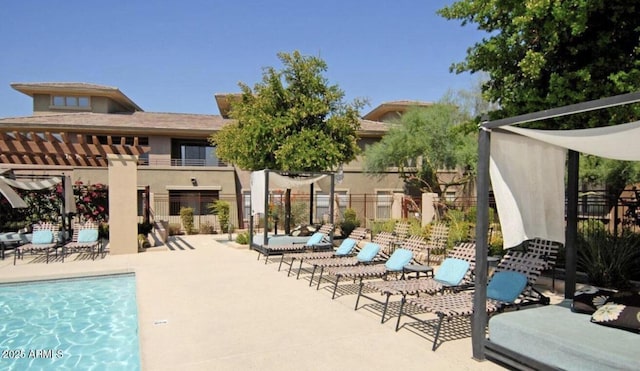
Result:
259,186
527,174
540,167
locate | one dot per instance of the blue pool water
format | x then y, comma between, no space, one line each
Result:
86,323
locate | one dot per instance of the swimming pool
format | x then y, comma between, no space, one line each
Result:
80,323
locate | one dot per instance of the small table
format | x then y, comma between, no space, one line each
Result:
418,269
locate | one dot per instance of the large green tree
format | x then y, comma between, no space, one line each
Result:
541,54
293,120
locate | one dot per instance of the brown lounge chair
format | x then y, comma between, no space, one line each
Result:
85,237
346,248
510,285
455,273
320,240
384,241
399,257
44,240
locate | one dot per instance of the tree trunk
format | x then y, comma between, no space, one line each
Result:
287,211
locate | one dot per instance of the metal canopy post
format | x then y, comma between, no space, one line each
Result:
479,318
311,191
571,233
331,203
265,239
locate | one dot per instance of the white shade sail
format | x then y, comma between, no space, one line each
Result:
527,174
258,180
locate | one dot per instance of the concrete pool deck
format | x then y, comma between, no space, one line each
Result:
206,304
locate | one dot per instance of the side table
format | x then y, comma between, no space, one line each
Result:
418,269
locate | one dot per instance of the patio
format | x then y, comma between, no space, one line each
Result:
207,304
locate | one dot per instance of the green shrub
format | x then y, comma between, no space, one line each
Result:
608,260
186,216
221,209
207,228
143,242
103,230
378,226
242,238
349,222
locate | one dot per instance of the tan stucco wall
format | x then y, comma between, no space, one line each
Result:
160,150
41,103
123,201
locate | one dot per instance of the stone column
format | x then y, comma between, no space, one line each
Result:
428,207
123,204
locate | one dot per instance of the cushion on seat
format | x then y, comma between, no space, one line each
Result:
588,299
315,239
88,235
625,317
398,260
42,237
506,286
346,246
452,271
368,252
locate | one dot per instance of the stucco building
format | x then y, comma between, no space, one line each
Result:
179,166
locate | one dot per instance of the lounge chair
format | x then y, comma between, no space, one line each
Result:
385,241
367,255
401,230
508,286
437,241
320,240
412,244
548,251
346,248
44,240
85,237
455,273
395,264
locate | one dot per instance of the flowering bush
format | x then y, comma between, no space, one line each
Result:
92,201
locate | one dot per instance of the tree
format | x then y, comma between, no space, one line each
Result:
541,54
422,142
291,121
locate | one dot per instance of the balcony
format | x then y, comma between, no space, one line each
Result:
181,162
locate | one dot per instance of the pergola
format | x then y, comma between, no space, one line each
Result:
47,148
41,149
480,318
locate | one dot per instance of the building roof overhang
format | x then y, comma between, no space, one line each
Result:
76,88
396,106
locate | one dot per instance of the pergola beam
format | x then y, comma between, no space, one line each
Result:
46,148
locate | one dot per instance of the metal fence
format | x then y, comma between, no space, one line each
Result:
594,206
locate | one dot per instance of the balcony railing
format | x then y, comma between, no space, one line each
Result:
178,162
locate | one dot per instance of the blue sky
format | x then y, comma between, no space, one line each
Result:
173,56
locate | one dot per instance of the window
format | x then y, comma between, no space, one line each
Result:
450,196
246,205
198,200
70,101
186,152
384,199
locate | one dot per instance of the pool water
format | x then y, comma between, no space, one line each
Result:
88,323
